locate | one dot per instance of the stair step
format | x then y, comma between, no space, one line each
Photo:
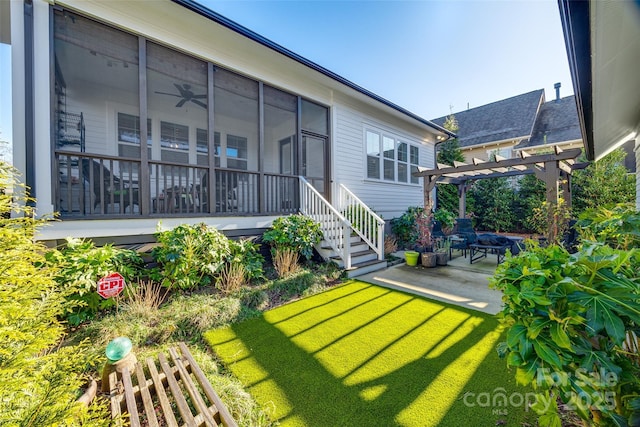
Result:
366,267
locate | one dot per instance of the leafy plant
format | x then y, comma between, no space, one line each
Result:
40,381
291,236
568,317
190,255
244,263
551,220
80,264
404,227
445,217
492,201
616,226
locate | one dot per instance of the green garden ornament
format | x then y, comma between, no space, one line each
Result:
119,357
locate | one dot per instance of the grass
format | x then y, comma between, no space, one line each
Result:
360,355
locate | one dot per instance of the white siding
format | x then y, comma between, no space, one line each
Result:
388,199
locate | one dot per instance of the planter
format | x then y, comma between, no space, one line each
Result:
411,257
428,259
442,258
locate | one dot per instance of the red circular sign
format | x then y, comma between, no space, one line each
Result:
111,285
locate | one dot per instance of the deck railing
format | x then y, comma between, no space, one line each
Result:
92,185
335,227
366,223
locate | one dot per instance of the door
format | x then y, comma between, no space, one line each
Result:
314,163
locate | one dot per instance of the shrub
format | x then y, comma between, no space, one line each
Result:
190,255
404,227
291,236
617,226
568,317
445,217
40,382
80,264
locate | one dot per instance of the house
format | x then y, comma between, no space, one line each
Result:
525,122
130,113
497,127
603,48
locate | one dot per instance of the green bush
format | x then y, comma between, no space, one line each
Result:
568,317
80,264
297,233
445,217
40,383
404,227
617,226
190,256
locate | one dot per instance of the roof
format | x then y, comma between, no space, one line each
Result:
234,26
557,122
510,118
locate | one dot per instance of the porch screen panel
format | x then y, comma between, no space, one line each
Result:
279,131
96,108
177,107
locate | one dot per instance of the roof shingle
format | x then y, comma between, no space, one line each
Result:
557,122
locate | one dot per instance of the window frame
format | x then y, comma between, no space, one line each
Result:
386,156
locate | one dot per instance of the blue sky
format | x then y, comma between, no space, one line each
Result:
426,56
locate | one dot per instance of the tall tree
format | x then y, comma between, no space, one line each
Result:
493,199
447,194
605,182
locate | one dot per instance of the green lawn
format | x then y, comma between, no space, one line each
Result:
363,355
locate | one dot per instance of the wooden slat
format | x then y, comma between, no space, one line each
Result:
147,402
116,398
197,400
162,396
225,416
130,398
183,407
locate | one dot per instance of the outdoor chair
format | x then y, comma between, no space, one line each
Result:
463,235
107,188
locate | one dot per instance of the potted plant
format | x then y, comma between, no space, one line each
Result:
442,251
424,242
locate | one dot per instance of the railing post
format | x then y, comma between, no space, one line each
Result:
381,254
346,244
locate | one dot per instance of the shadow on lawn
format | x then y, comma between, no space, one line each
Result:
312,388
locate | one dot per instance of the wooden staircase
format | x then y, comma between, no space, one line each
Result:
354,243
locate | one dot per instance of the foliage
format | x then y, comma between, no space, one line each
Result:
190,255
531,193
492,204
617,226
603,183
447,194
445,217
552,220
390,245
295,232
243,264
80,264
40,382
567,319
285,261
404,227
424,226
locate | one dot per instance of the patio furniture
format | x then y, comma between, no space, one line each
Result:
465,236
107,188
179,390
490,243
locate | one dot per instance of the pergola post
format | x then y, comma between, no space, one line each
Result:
549,173
462,199
429,185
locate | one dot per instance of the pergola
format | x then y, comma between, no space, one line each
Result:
554,169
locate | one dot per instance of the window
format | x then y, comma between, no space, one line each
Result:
373,155
174,136
390,159
202,146
129,129
236,152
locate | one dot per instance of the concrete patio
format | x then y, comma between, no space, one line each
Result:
458,283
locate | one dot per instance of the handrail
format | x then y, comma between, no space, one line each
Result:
366,223
335,227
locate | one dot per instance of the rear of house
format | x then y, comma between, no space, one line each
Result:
130,113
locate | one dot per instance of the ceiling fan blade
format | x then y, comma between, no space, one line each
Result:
203,96
180,89
181,103
170,94
200,103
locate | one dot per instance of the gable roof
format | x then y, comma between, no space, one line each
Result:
510,118
234,26
557,122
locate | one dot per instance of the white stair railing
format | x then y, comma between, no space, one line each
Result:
335,227
366,223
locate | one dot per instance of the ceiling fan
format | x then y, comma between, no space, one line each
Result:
187,95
